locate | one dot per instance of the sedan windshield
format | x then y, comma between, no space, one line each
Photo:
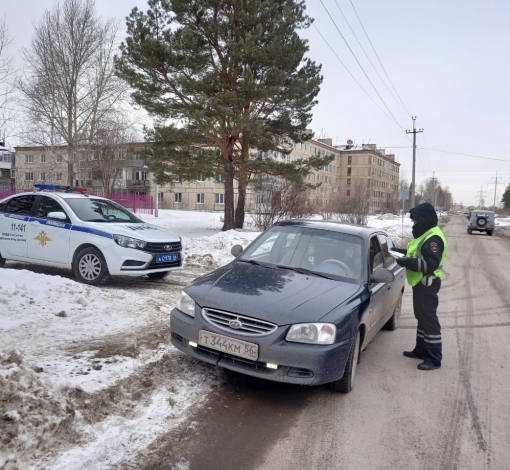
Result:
101,210
302,249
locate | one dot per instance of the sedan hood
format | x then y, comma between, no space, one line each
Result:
146,232
276,295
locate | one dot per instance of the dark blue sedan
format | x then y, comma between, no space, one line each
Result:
297,305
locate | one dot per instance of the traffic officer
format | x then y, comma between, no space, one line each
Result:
425,256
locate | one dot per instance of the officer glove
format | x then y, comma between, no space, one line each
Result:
404,262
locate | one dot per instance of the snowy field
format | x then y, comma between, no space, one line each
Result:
88,377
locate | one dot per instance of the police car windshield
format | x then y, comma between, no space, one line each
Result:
101,210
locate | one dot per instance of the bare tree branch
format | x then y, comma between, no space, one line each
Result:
69,87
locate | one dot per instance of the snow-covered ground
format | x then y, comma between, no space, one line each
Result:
88,377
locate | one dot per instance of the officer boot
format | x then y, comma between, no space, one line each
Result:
433,356
420,349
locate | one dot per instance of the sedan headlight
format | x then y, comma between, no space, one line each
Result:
186,304
313,333
128,242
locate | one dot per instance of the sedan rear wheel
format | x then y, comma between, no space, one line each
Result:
2,261
90,267
345,384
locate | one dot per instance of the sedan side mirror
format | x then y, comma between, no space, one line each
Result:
236,250
382,275
57,215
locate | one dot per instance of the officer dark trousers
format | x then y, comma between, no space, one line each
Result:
428,334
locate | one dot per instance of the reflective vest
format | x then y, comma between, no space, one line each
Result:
414,251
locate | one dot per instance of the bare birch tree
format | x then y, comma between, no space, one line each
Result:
106,156
355,207
6,71
69,86
278,199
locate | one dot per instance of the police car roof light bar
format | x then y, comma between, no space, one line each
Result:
68,189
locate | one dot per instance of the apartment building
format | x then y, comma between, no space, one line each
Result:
367,171
352,167
6,161
122,168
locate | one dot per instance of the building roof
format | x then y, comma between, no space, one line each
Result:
367,148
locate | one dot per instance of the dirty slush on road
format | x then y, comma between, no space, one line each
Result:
139,385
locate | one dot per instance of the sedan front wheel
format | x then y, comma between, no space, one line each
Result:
90,267
345,384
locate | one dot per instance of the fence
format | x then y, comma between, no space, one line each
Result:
139,204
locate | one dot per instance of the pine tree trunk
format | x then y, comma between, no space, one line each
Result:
228,219
241,203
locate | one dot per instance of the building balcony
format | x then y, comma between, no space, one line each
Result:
132,184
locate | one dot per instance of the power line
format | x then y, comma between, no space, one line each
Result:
366,75
467,155
350,73
377,55
368,58
444,151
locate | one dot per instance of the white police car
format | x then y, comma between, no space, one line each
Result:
93,236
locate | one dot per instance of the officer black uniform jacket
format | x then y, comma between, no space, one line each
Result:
432,250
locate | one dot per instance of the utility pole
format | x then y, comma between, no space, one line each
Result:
496,182
413,182
434,198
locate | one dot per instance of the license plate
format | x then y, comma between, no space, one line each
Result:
228,345
166,258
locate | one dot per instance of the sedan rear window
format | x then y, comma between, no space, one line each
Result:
20,205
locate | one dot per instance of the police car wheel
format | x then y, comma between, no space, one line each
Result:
345,384
2,261
90,267
160,275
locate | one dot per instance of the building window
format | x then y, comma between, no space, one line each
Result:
348,180
219,178
42,176
120,154
29,159
201,178
29,176
177,198
43,158
219,198
349,171
59,176
13,173
59,158
177,179
349,160
140,175
200,198
348,192
160,197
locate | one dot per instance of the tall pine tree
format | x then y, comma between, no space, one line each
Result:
505,199
223,77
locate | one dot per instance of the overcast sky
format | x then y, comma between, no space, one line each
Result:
447,60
